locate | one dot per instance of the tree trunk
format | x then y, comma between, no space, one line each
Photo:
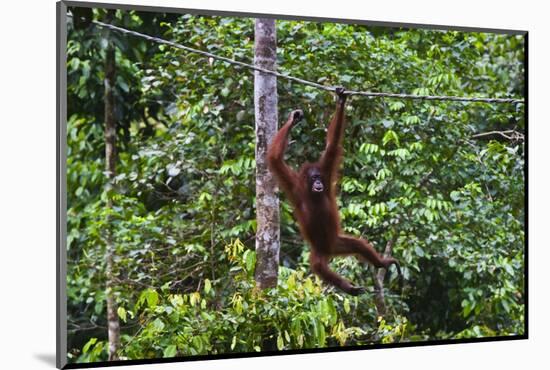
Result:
378,276
113,323
265,109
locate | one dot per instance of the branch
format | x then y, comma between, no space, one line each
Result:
379,276
508,134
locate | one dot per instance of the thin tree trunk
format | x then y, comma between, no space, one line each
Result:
379,299
265,109
113,323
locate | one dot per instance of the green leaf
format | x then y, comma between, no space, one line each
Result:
308,285
387,123
207,286
346,78
280,343
346,305
509,269
291,282
124,86
467,309
390,136
152,298
90,343
170,351
158,324
429,215
396,105
506,306
250,260
122,313
321,335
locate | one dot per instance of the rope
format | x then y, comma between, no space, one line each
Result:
214,56
305,82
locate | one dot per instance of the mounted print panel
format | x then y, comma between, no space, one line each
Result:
235,185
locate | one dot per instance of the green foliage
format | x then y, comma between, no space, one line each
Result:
231,315
183,219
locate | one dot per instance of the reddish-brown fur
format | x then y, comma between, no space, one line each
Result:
316,211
